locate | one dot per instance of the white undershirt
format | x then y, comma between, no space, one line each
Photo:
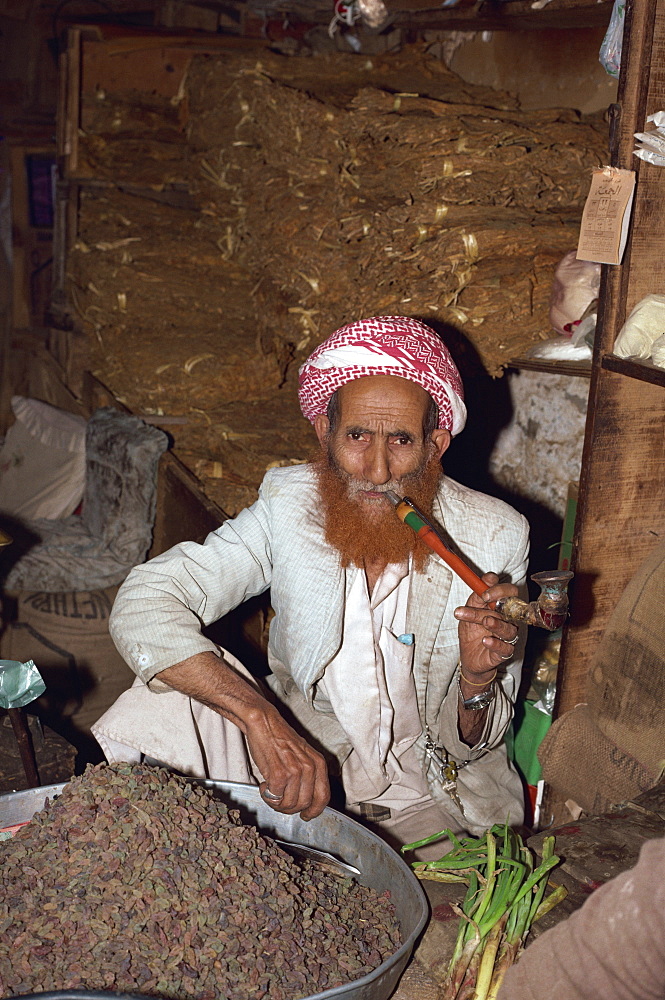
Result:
370,688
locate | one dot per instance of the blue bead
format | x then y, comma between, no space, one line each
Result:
406,638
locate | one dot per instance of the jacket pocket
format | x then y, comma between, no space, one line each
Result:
445,638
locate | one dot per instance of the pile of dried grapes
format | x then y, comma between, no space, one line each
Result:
137,880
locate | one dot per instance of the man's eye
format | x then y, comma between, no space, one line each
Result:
356,435
402,440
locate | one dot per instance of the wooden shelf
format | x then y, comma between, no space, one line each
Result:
579,368
477,15
488,15
645,371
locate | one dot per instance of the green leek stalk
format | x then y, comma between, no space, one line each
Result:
505,895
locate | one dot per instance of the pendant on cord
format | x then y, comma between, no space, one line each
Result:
448,769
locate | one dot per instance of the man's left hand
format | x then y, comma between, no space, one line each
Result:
485,639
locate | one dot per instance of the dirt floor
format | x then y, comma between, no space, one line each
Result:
224,232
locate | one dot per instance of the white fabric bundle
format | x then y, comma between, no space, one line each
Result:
42,461
644,326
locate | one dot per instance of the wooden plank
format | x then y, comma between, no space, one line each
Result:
123,38
580,369
72,85
183,510
96,394
482,15
620,511
154,61
34,372
485,15
62,107
644,371
6,278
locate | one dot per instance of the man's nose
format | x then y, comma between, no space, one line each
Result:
377,467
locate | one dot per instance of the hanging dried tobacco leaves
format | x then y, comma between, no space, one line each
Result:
137,880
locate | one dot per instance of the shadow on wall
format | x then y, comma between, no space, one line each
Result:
490,410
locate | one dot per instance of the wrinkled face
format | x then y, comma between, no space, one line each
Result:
378,442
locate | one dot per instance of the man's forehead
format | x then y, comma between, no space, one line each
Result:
382,395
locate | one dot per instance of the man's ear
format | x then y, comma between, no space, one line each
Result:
441,439
322,426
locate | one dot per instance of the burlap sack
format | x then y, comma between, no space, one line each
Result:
580,763
613,748
66,634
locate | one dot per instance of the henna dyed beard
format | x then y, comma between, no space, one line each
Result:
370,530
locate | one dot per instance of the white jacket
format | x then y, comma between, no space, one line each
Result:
278,543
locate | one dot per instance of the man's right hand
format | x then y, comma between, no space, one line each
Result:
295,774
292,769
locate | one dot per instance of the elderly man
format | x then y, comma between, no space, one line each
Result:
382,660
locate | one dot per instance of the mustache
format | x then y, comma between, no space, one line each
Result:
355,486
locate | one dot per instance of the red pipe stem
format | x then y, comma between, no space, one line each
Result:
456,564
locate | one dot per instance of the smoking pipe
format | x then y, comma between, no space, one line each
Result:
548,611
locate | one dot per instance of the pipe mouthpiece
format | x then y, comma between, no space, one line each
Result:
394,499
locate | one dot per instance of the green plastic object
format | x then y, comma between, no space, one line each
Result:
20,683
414,521
529,728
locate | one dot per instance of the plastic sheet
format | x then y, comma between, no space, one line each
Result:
20,683
651,145
560,349
610,49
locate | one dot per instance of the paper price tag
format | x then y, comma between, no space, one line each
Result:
606,216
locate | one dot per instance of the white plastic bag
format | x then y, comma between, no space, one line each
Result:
643,327
610,49
560,349
574,287
651,145
42,461
658,351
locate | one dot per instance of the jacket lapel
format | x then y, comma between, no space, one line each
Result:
428,600
310,628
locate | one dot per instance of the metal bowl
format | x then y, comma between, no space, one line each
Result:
381,868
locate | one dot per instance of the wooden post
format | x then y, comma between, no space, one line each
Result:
620,511
25,747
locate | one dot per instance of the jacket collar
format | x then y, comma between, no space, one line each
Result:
428,600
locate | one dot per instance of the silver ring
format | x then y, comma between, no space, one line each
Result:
512,642
267,794
509,657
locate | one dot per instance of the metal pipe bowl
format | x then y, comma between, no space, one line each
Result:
381,868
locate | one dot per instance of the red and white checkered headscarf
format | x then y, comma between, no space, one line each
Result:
384,345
